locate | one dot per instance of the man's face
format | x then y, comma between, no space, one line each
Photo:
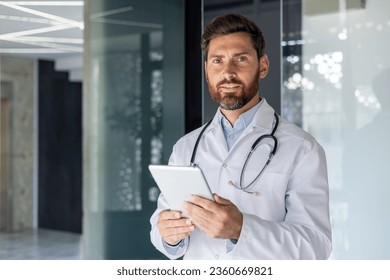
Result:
233,70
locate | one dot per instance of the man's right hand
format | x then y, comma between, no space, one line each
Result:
173,227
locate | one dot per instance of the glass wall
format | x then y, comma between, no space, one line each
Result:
335,85
133,114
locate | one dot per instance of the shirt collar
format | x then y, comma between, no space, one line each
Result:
243,121
263,118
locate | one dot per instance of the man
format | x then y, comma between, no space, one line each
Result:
275,210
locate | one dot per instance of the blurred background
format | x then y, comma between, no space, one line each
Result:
94,91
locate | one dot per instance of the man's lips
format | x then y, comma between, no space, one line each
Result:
229,86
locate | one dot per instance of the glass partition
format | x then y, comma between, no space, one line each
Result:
133,113
336,69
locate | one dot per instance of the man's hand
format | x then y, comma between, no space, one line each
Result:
172,227
219,219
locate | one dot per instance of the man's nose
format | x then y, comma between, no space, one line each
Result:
229,71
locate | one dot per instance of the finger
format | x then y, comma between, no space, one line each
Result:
174,240
221,200
178,231
169,215
203,223
199,216
177,223
193,209
173,236
204,203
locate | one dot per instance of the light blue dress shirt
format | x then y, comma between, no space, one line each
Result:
232,133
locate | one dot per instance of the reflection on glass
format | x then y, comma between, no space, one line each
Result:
333,86
123,115
366,158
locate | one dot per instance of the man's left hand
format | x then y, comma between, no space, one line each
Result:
219,219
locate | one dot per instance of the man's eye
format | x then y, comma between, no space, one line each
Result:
217,61
242,59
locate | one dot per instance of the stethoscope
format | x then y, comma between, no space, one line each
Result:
253,148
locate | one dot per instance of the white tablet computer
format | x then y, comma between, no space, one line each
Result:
178,183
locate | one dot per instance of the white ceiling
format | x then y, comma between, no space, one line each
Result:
44,30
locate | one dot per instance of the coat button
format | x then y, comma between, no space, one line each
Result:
216,257
224,165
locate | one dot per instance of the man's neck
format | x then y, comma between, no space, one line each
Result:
233,115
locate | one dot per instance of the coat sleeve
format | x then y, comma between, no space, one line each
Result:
155,236
305,232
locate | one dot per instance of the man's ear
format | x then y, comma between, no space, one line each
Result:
264,66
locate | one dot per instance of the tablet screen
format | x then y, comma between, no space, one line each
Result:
178,183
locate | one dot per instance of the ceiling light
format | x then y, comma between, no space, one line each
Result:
29,19
47,3
34,31
43,14
129,23
30,51
49,40
51,46
112,12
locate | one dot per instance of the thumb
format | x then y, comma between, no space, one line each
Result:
221,200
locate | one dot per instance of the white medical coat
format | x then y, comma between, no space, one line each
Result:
289,219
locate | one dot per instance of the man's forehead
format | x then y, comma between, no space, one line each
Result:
232,36
237,45
231,39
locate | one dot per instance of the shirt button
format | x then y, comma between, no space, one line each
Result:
216,257
224,165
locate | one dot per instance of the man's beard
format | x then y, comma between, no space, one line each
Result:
238,99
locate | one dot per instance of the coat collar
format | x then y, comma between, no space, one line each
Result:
263,119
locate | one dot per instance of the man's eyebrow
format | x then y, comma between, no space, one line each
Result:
216,56
241,53
222,56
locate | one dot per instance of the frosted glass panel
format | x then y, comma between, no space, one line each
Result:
335,86
134,75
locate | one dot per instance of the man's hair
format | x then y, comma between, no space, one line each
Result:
232,23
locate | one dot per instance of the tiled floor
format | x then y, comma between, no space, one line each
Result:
40,244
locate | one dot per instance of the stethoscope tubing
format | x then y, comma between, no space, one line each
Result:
253,148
